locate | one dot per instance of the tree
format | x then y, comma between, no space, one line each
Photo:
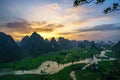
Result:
114,7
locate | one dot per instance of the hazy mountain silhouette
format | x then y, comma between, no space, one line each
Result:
54,44
93,45
9,50
35,44
46,40
64,43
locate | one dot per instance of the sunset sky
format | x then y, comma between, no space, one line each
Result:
55,18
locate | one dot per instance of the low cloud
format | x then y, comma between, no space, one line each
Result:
54,25
103,27
67,33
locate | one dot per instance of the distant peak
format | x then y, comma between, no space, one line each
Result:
35,34
2,33
26,37
61,38
46,39
53,39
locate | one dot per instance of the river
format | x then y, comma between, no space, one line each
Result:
52,67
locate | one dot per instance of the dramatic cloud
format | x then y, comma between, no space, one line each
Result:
25,26
54,25
17,25
98,32
54,18
21,27
103,27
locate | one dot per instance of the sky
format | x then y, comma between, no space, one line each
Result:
58,18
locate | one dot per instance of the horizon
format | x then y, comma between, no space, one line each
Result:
53,18
59,37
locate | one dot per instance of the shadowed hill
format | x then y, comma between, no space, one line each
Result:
9,50
116,49
35,44
54,44
64,43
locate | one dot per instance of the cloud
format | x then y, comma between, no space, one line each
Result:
48,12
103,27
98,32
3,18
54,25
17,25
89,21
80,9
43,29
24,27
55,12
67,33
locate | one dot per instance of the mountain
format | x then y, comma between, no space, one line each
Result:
46,40
116,49
64,43
54,44
93,45
117,46
9,50
88,44
74,43
24,40
35,44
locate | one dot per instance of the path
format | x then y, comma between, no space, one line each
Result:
72,74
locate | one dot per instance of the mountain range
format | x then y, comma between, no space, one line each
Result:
29,46
36,45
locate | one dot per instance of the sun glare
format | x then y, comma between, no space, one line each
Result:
48,35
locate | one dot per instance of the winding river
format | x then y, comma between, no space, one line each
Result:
52,67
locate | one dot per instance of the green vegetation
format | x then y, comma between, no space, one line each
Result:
110,54
22,77
63,56
61,75
87,75
106,70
